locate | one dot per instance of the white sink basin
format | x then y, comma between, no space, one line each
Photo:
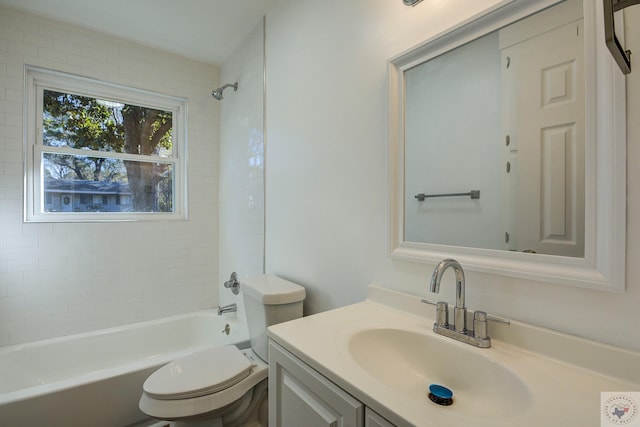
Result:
384,353
408,362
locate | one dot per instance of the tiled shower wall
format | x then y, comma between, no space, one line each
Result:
57,279
241,207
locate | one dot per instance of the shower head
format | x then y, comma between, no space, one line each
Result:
217,93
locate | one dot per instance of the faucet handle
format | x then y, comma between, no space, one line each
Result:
480,325
442,313
233,283
498,319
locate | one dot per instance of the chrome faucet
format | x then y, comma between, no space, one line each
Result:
231,308
460,311
233,283
479,336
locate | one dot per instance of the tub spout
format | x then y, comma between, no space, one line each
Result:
231,308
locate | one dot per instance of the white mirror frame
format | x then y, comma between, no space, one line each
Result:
603,267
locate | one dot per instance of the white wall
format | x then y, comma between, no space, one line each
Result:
241,192
57,279
326,218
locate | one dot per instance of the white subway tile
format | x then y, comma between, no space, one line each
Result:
11,34
57,279
38,40
51,262
80,61
21,241
52,30
22,48
21,288
23,24
37,277
13,170
11,308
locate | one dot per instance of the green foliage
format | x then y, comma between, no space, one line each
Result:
86,123
82,122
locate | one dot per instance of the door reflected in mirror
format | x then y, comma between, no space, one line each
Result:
501,118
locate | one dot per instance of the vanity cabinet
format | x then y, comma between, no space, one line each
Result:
372,419
300,396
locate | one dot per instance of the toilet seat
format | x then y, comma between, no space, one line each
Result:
167,408
204,372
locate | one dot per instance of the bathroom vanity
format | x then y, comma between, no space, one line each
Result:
371,364
305,397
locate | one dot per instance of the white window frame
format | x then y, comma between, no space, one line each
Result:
36,81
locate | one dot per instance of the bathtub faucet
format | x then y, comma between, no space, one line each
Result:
231,308
233,283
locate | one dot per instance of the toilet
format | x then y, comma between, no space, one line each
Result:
225,386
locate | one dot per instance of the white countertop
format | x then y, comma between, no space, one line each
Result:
564,375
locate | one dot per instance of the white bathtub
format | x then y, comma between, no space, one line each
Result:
95,379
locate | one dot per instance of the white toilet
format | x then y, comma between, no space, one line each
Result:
225,386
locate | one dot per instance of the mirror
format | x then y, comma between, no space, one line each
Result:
502,116
500,154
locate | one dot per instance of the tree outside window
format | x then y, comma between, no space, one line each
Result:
98,152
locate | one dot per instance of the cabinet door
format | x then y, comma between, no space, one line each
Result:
300,396
372,419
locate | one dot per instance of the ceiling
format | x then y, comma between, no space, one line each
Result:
206,30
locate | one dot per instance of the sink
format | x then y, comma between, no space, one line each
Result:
409,361
384,353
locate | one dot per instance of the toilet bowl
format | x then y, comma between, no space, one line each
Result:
225,386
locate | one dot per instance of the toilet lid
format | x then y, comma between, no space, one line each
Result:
204,372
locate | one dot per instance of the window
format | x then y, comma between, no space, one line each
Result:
98,151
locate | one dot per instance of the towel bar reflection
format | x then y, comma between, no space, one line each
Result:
474,194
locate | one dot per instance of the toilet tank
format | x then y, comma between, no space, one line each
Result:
269,300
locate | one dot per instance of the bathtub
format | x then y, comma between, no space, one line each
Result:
95,379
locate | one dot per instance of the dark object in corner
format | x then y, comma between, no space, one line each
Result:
621,56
